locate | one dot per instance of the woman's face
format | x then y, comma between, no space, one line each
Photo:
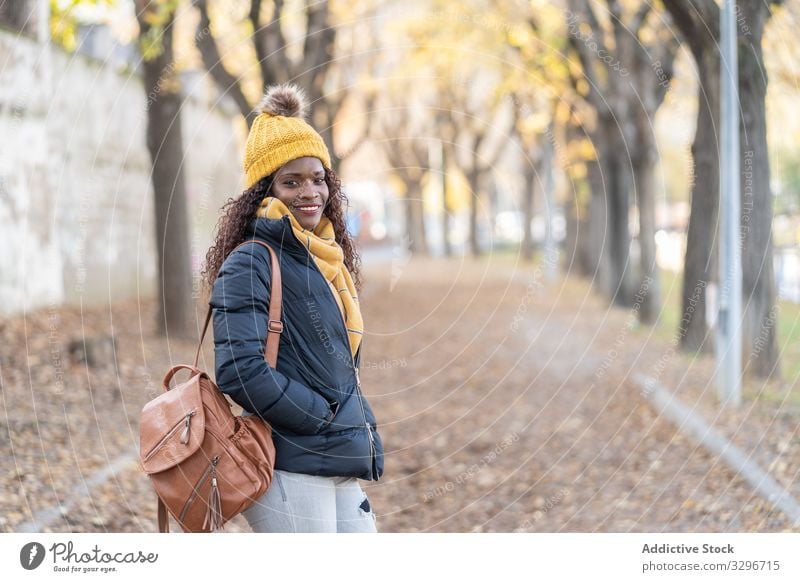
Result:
300,184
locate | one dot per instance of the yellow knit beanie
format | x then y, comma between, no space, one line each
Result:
279,134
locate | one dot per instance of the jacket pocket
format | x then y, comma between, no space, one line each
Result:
348,414
349,452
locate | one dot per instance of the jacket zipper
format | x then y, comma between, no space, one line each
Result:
372,451
184,436
364,414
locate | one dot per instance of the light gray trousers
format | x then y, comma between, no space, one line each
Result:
300,503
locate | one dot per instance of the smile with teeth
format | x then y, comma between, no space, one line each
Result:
309,209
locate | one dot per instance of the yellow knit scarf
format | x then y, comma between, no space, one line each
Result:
329,257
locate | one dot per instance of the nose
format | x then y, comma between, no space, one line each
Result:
307,190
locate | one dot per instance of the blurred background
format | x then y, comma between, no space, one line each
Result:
535,190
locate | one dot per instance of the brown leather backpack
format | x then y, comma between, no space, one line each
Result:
206,464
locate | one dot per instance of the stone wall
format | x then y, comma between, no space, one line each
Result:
76,201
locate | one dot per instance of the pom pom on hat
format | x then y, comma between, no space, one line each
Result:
280,134
286,100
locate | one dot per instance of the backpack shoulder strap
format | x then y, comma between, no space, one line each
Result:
274,323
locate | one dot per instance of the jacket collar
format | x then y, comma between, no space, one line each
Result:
275,231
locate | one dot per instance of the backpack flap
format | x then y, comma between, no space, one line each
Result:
172,427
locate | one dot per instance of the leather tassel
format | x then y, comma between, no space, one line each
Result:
214,511
185,433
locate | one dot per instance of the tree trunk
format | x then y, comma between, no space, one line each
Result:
701,261
165,143
528,196
415,225
698,22
548,198
327,136
419,218
759,324
617,184
621,271
448,251
20,15
473,179
573,228
410,223
595,239
644,176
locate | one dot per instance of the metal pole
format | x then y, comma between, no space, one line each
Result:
729,328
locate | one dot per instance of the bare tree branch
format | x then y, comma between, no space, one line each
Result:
212,60
317,48
275,66
696,19
640,17
621,32
585,57
259,42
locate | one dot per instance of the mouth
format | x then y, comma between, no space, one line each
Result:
309,209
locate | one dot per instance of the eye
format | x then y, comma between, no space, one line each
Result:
289,183
320,180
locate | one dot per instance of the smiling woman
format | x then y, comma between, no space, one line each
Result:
324,430
300,185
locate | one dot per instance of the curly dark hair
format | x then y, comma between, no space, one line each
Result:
237,212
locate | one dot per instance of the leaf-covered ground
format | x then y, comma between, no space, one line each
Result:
505,404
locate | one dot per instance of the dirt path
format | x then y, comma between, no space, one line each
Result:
504,406
515,412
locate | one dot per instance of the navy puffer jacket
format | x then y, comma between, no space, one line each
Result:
321,423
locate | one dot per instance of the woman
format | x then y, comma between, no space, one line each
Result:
324,431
